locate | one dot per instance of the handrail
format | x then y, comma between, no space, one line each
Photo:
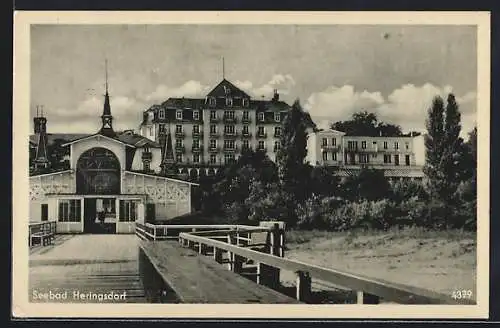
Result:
388,291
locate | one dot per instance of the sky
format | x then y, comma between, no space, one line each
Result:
333,70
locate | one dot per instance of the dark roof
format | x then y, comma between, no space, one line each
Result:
270,105
64,137
194,103
134,139
226,88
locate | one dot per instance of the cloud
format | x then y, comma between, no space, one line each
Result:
405,106
281,82
189,89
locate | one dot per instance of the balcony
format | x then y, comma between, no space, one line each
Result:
276,149
147,156
214,119
246,135
179,134
230,134
334,148
229,119
246,148
197,134
277,135
214,134
246,120
197,149
230,149
261,135
213,149
179,149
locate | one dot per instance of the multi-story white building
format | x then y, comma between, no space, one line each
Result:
210,132
399,157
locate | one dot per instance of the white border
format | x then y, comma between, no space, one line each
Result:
21,101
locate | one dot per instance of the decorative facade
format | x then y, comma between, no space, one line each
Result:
399,157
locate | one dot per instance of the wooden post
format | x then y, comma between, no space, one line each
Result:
237,263
303,285
217,255
230,255
200,248
363,298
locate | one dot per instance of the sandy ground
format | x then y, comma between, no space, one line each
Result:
436,264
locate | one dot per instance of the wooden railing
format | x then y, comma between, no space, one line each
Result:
157,232
47,227
268,266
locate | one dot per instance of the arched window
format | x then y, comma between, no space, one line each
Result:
98,172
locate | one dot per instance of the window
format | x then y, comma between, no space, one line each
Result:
229,102
229,114
146,165
352,145
261,116
260,131
363,144
213,128
229,129
277,117
407,160
213,143
213,159
277,131
334,142
196,143
261,145
387,159
178,128
161,114
245,103
196,158
70,210
178,143
324,142
229,158
196,115
276,146
364,158
109,206
196,129
407,145
396,145
161,128
245,129
229,144
151,131
211,101
334,156
45,212
385,145
178,158
178,114
245,144
325,156
396,159
245,113
213,115
128,210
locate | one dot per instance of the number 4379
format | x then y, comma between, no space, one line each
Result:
461,294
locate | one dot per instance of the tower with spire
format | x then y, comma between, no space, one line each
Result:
168,167
41,160
106,117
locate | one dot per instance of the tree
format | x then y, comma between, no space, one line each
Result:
442,145
366,124
368,184
290,158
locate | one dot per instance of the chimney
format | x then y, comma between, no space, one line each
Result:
276,95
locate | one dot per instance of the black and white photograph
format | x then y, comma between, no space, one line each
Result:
261,164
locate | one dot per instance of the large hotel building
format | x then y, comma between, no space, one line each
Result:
212,131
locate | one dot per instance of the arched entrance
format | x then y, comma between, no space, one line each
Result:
98,173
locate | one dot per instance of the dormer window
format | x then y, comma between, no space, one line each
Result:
261,116
245,102
196,115
227,91
229,102
178,115
146,148
277,117
161,114
211,101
